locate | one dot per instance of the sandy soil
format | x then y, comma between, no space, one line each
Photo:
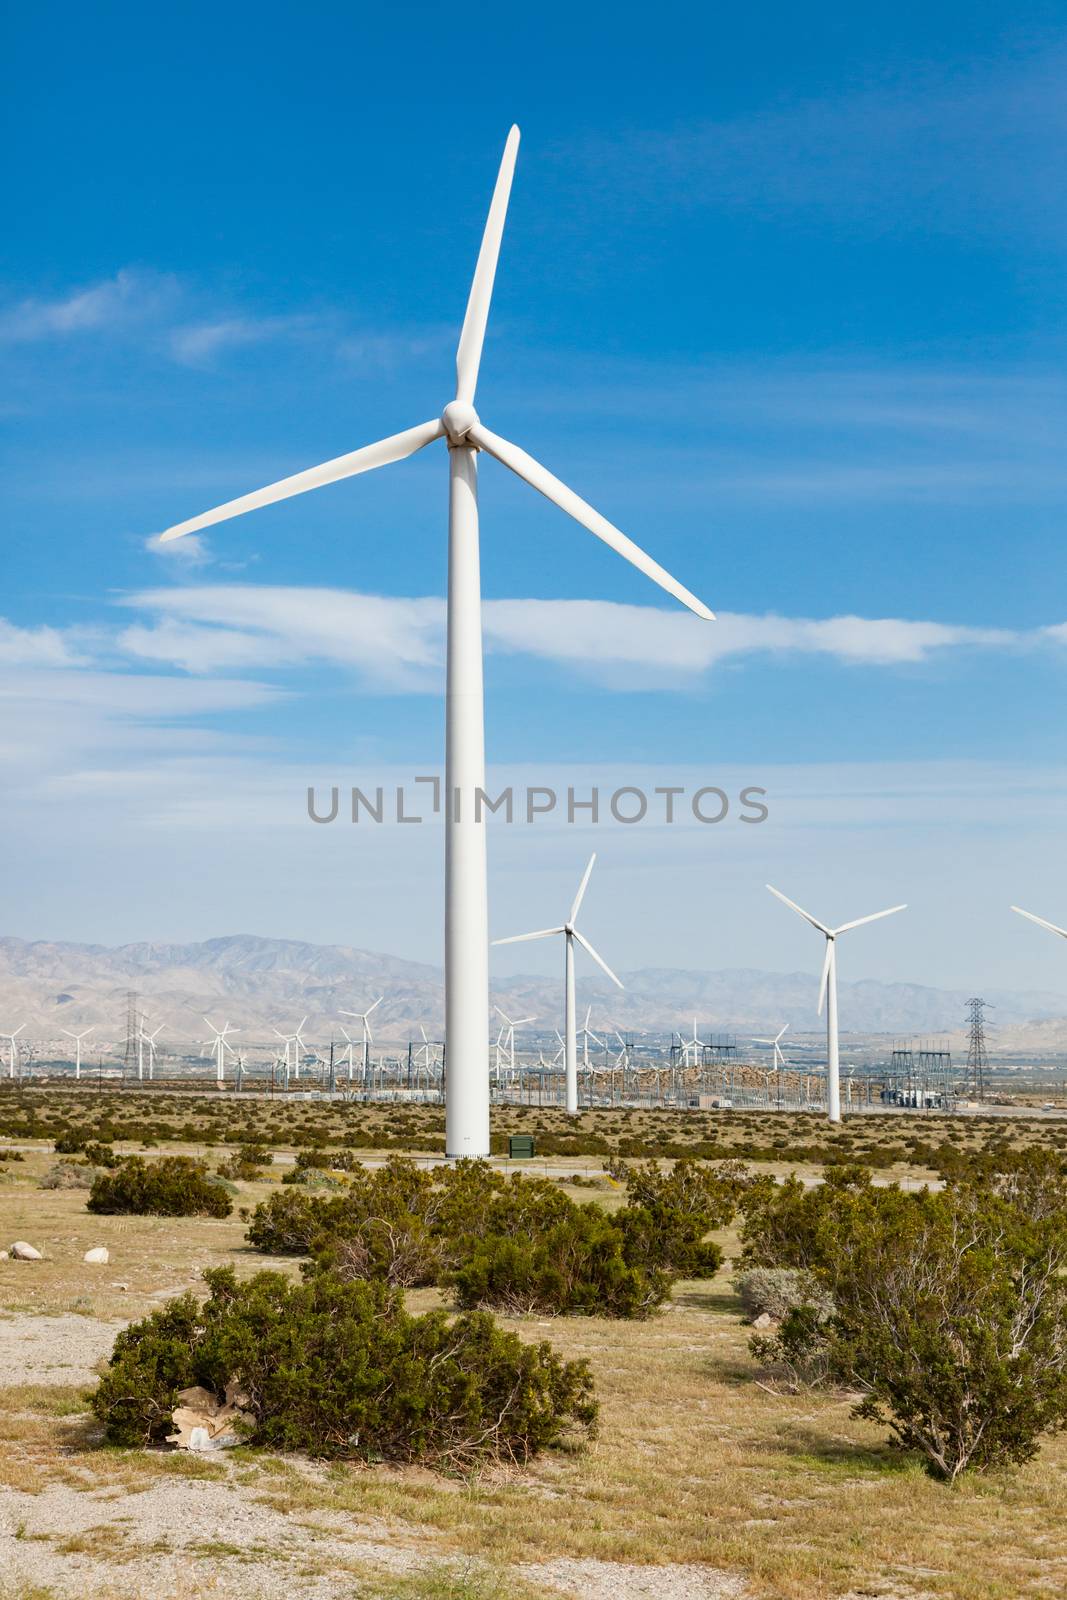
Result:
59,1349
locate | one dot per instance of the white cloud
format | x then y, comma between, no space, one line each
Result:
35,647
399,643
198,343
129,296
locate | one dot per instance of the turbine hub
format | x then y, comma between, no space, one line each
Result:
459,418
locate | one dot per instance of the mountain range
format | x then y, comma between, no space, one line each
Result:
259,983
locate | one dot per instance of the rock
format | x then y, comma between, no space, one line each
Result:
123,1288
99,1256
764,1320
21,1251
201,1423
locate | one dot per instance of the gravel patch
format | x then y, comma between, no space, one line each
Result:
63,1349
184,1539
621,1580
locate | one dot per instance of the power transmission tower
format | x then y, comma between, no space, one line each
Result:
977,1059
133,1029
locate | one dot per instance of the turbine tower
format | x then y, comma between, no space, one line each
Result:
466,904
570,934
78,1037
828,991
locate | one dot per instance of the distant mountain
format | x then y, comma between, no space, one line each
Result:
259,983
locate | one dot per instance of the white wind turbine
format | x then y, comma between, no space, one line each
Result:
294,1041
828,991
78,1037
218,1045
505,1041
150,1040
570,934
362,1017
692,1047
13,1058
466,907
587,1033
779,1058
349,1043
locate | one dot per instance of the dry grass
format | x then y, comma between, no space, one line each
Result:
694,1461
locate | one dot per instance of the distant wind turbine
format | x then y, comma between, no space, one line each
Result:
828,991
13,1058
362,1017
219,1046
570,934
466,908
150,1040
78,1037
505,1043
779,1058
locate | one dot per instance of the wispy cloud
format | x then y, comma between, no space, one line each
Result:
131,296
398,643
199,343
36,647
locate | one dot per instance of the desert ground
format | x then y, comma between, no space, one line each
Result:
703,1481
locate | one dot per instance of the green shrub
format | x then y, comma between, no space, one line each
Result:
577,1266
340,1369
173,1186
285,1224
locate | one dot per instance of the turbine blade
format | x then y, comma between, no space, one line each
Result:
580,896
395,448
784,1030
784,898
469,351
588,948
874,917
828,960
539,478
376,1004
520,938
1030,917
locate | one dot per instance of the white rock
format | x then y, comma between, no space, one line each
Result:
764,1320
25,1252
98,1255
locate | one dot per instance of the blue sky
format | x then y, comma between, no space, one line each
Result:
782,295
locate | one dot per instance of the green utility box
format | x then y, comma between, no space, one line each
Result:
520,1146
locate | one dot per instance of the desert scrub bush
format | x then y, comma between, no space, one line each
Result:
11,1155
951,1318
68,1175
173,1186
286,1223
340,1369
248,1162
577,1266
776,1291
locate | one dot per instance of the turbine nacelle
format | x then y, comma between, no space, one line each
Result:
457,419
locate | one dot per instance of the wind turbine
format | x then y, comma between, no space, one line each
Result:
349,1042
368,1037
828,991
13,1059
466,906
78,1037
295,1040
779,1058
695,1044
505,1043
219,1046
150,1040
570,934
587,1033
